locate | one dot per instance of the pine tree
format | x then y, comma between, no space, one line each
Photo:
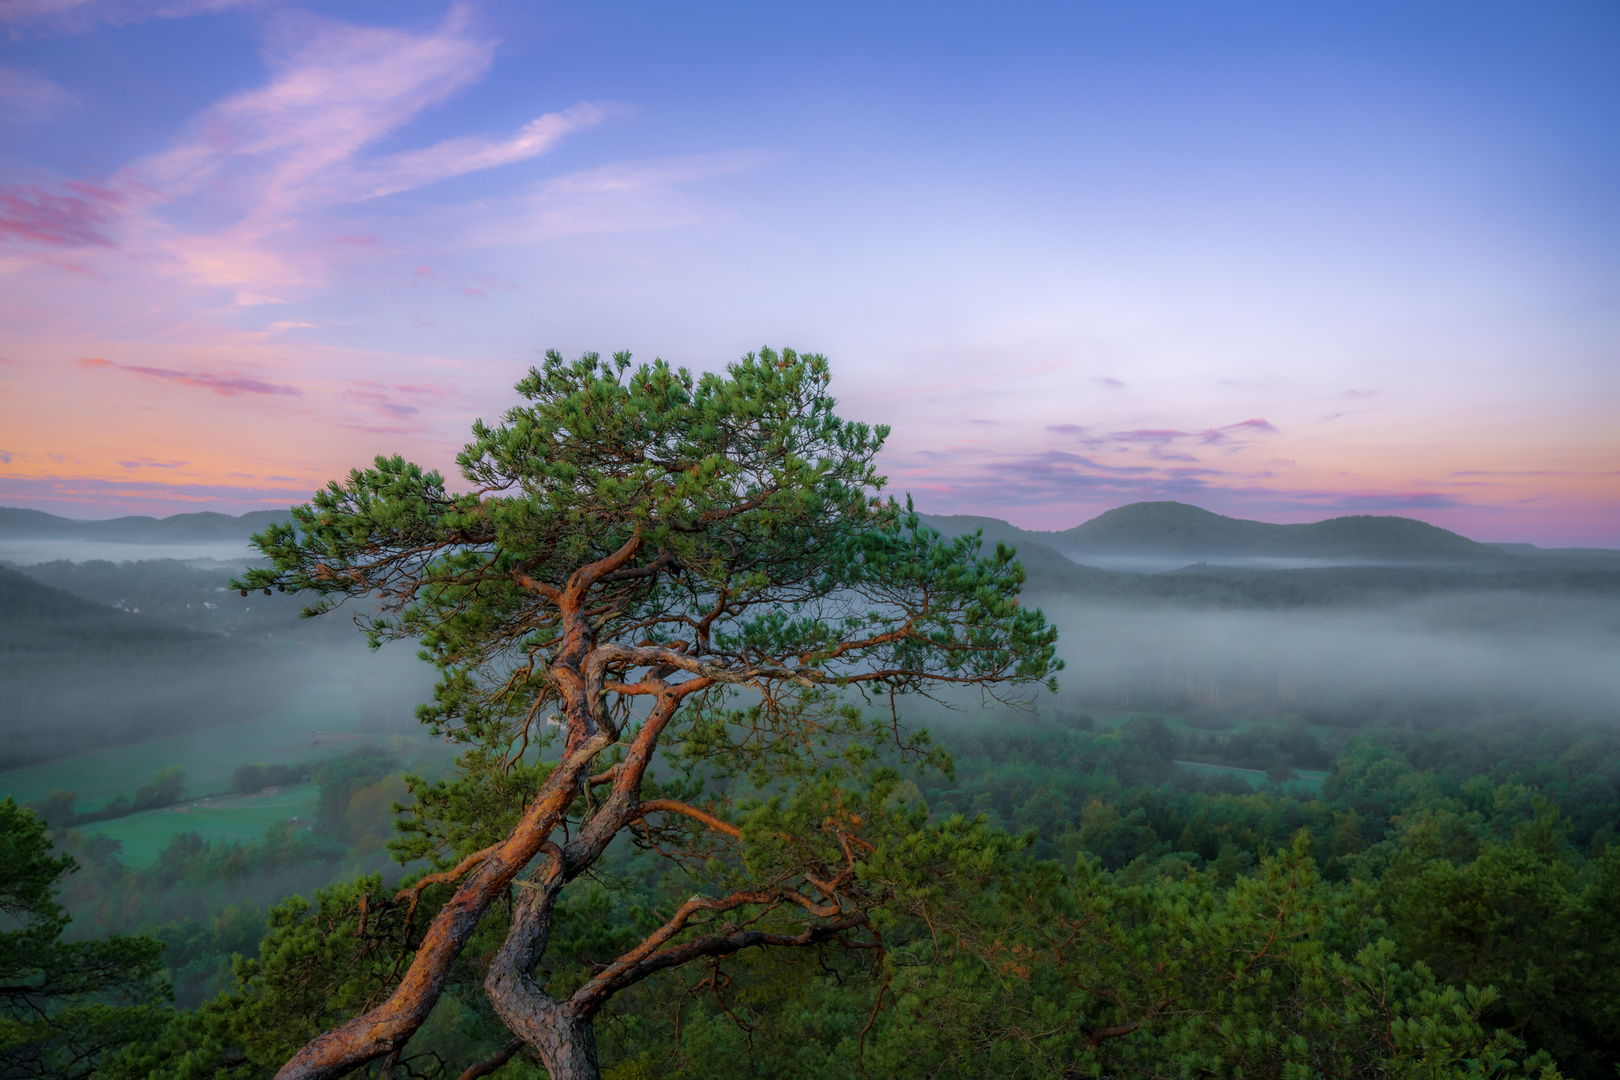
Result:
650,566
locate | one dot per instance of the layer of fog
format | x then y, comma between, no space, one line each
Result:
1158,564
1457,655
196,657
31,551
59,710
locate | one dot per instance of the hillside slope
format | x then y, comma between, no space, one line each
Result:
77,674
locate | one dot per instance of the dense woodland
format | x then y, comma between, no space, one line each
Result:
1352,933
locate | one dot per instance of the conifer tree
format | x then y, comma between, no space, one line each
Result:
65,1007
652,568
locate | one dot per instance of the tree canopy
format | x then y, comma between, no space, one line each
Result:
653,568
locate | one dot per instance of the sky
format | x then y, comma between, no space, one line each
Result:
1282,261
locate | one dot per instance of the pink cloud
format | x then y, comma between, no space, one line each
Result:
227,385
72,219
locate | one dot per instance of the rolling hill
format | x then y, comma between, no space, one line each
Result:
17,523
1172,528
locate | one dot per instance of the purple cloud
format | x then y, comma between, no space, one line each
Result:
33,215
1148,435
98,496
227,385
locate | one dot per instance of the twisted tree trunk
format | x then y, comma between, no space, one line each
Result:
559,1031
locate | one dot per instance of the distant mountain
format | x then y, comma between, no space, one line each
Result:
1052,576
1176,528
20,524
1172,528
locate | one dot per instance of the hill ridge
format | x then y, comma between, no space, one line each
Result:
18,523
1174,528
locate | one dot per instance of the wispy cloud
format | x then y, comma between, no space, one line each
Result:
454,157
1064,488
243,197
1224,435
1157,439
1148,435
228,384
100,495
1529,472
294,143
76,16
76,216
27,97
623,196
399,402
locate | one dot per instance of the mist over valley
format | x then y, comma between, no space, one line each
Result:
1390,621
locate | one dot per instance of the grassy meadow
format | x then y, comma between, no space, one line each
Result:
233,817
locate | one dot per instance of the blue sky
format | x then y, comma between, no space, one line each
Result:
1278,260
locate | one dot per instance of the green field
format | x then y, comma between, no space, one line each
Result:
319,724
235,817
